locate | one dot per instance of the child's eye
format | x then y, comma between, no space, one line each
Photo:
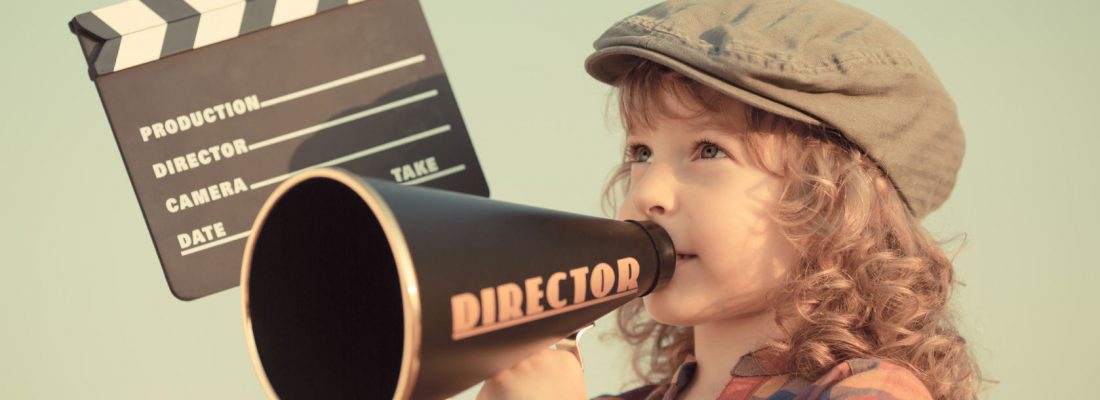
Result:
708,149
638,153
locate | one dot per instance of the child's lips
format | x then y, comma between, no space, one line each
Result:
683,258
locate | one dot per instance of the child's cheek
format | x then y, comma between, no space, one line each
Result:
709,173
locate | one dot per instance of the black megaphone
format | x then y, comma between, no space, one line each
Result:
360,288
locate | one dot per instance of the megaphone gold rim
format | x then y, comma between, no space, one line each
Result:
410,298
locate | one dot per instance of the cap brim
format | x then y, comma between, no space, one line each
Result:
610,63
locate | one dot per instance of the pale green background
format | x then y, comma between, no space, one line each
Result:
85,311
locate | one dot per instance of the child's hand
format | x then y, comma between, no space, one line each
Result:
549,374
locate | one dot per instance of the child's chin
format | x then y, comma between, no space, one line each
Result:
663,309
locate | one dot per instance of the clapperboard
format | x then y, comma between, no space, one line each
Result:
213,103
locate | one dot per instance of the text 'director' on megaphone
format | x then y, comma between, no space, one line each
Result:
360,288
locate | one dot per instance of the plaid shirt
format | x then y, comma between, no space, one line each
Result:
761,375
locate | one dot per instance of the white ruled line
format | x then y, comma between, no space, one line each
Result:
449,171
215,243
345,80
343,120
356,155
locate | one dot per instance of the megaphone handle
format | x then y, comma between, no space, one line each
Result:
571,343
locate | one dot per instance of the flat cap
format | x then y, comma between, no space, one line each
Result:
817,61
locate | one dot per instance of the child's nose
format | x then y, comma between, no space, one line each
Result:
653,192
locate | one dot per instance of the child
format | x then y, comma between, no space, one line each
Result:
790,149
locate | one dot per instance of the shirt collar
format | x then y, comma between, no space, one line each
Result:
762,362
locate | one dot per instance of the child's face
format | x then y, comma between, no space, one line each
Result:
697,182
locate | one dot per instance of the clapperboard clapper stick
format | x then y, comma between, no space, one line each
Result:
215,102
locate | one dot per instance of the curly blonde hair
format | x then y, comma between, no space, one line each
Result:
870,281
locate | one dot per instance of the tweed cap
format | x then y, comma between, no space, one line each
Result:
817,61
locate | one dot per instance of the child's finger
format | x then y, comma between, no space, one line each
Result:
548,374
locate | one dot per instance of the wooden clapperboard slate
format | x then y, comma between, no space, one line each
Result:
214,102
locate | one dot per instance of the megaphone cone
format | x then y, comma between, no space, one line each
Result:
359,288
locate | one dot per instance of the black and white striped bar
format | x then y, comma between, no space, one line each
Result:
136,32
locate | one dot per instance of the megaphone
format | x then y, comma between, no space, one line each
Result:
360,288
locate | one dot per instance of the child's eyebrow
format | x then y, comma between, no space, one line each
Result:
696,125
713,123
